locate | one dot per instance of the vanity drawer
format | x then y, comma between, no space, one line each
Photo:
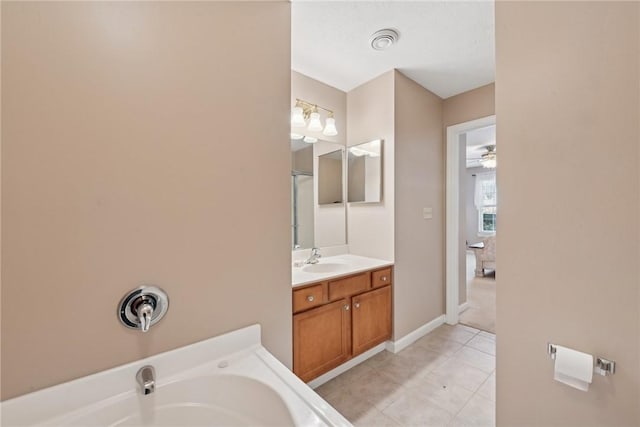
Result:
381,277
308,297
348,286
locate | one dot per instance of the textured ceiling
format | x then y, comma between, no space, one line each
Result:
446,46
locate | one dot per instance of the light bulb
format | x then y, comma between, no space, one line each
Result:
330,127
297,118
314,123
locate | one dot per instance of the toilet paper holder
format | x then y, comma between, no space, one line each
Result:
603,366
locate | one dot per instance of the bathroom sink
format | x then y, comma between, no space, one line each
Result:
328,267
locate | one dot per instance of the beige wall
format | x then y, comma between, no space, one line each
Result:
467,106
419,183
121,123
370,110
568,92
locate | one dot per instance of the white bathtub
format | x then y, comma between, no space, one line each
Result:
230,380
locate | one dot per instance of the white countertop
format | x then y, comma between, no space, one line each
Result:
341,265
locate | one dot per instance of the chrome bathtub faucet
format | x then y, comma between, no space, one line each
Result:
146,378
315,256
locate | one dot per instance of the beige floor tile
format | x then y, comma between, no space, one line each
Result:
483,344
399,369
449,397
454,372
422,358
478,412
426,384
487,335
488,389
476,358
375,418
377,388
339,381
458,333
378,359
438,344
351,407
329,387
414,411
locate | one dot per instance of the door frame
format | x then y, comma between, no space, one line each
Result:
453,232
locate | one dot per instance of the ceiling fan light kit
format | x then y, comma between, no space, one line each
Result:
489,159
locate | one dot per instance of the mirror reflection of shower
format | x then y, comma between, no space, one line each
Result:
302,200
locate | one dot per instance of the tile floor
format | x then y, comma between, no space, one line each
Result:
446,378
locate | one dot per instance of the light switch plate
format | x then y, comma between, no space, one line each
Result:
427,213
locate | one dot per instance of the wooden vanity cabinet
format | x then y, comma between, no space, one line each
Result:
370,319
321,339
353,317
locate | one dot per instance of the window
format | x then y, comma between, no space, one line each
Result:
486,202
487,218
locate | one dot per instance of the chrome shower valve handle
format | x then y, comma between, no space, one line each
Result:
143,307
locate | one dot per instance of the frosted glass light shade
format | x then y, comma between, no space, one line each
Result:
314,123
330,127
358,152
296,136
310,139
297,118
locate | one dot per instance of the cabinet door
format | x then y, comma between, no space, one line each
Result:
321,339
371,319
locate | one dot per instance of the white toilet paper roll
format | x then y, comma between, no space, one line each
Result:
573,368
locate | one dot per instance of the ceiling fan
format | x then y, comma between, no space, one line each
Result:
487,159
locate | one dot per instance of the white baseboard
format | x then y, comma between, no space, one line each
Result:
346,366
463,307
411,337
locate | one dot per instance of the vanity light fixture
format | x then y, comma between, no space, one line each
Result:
296,136
304,111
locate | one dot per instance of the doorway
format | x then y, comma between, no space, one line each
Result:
458,260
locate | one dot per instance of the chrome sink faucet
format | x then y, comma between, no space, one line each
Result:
315,256
146,378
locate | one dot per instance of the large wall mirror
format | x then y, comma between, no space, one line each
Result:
318,214
365,172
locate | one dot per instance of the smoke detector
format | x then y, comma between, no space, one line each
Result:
384,39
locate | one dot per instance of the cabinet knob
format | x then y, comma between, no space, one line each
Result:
310,298
356,305
384,278
346,307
